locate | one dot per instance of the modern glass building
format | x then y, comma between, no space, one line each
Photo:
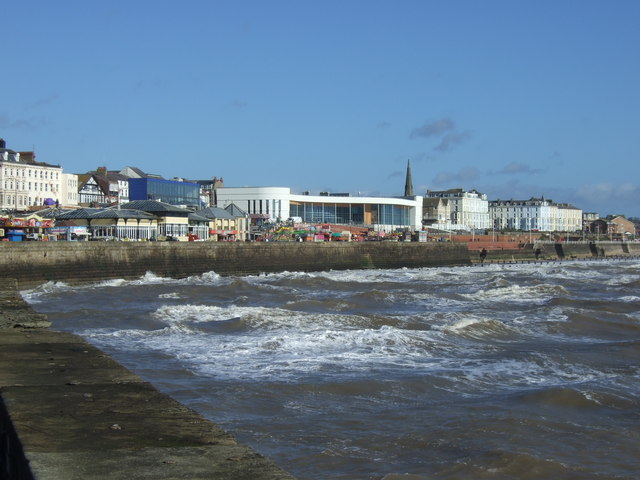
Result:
379,213
352,213
167,191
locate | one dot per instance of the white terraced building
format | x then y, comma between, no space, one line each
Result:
537,214
25,182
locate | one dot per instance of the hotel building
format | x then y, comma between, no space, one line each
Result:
25,183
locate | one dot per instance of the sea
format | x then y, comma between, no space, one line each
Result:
494,371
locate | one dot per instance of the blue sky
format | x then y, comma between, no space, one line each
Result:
513,98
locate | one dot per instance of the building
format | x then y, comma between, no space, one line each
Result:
93,190
105,224
279,204
69,189
621,228
535,214
223,225
242,219
208,190
168,191
26,183
569,218
173,221
469,210
436,213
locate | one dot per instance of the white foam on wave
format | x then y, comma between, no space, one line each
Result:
515,374
207,278
173,295
258,318
277,344
34,295
149,278
621,280
515,293
630,299
397,275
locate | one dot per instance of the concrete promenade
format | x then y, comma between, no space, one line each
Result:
68,411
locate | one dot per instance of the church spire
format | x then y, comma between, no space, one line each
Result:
408,184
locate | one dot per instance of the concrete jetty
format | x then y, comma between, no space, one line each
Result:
69,411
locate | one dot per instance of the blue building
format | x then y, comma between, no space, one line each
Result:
167,191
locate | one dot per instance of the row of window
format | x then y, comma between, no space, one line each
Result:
31,173
15,201
21,186
273,207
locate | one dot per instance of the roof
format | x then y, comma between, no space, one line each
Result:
434,201
50,212
116,176
154,206
234,210
122,213
25,158
214,212
102,182
79,213
88,213
194,217
135,172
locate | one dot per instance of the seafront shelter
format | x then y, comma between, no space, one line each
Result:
172,221
108,224
380,213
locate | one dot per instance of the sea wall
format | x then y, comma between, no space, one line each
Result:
594,249
33,263
68,411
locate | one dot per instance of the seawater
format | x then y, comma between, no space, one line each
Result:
495,371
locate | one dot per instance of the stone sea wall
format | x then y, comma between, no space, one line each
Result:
33,263
594,249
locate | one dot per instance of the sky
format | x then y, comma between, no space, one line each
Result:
516,99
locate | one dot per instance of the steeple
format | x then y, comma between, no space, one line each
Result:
408,184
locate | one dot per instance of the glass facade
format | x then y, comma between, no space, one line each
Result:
352,214
167,191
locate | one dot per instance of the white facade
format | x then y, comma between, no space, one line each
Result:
69,187
468,210
569,218
120,185
534,214
25,183
272,201
279,204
